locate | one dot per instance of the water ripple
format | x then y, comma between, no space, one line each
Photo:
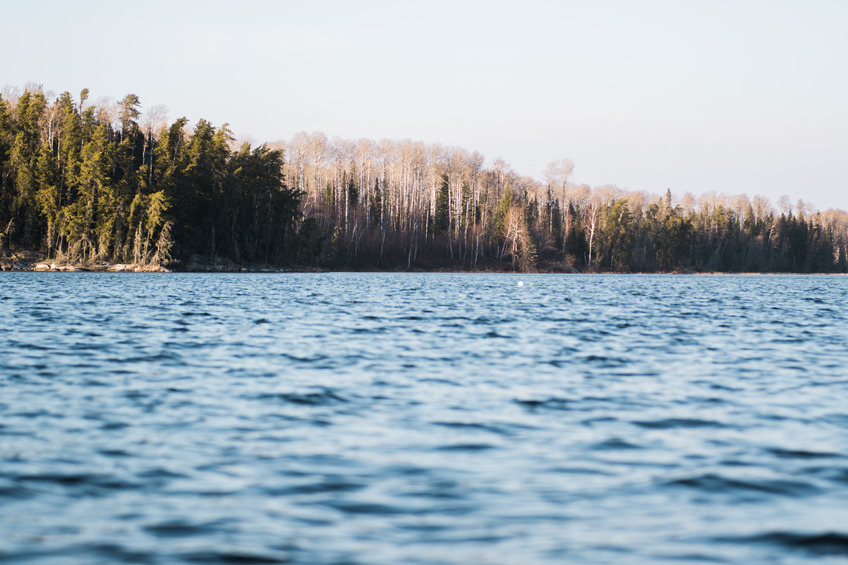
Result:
422,418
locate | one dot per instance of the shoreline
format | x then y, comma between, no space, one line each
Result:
27,261
124,268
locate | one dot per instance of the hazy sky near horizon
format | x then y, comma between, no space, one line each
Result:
743,96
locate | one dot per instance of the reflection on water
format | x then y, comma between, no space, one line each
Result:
405,418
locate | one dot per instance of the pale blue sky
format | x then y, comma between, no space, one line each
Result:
743,96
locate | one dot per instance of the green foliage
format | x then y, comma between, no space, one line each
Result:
76,188
616,237
499,227
352,191
375,213
441,222
129,113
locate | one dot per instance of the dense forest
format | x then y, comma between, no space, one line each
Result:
91,183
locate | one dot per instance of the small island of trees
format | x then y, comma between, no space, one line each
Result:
89,184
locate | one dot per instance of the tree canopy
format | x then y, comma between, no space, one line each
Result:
80,185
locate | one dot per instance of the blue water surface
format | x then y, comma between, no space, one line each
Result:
423,418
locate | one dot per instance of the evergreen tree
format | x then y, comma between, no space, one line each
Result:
441,222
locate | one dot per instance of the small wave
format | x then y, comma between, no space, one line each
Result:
548,403
486,321
113,553
180,528
423,527
90,346
108,426
668,423
160,473
465,447
438,380
323,398
614,443
828,543
693,558
114,452
711,482
581,470
366,508
32,346
305,359
367,331
107,482
231,558
164,356
799,453
61,479
605,362
325,486
494,334
471,426
11,490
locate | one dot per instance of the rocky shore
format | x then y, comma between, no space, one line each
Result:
72,268
29,261
100,267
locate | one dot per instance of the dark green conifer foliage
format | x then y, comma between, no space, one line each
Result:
25,222
499,221
441,222
616,238
49,199
76,189
352,191
375,214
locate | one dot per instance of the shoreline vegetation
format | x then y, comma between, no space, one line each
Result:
105,187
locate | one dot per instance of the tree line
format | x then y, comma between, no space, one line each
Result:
402,203
88,183
102,182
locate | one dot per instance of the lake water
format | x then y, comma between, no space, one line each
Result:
423,418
